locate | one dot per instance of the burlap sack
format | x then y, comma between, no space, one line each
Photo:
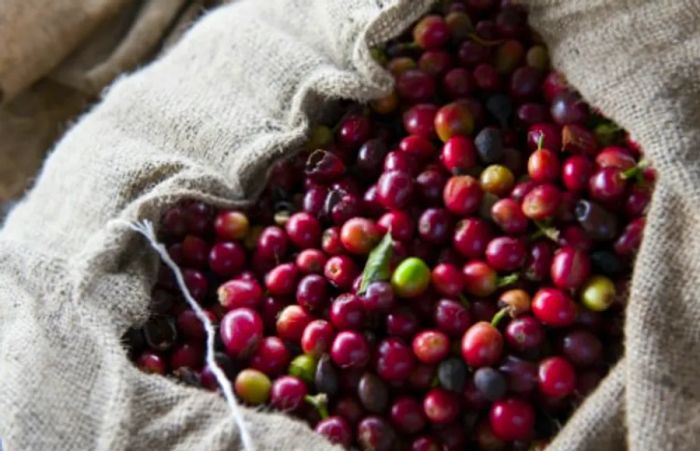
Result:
55,58
206,120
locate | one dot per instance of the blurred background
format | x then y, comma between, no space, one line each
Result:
56,58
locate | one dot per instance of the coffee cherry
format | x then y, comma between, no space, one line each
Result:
512,419
575,172
607,185
378,298
482,345
570,268
304,367
374,433
373,393
524,334
598,293
353,131
458,83
568,108
252,386
370,156
490,383
543,166
452,374
417,120
489,145
341,271
401,323
272,243
407,415
525,82
447,279
435,225
399,223
458,154
415,85
241,331
521,375
231,225
291,323
582,348
189,325
506,253
410,278
287,393
303,230
553,308
508,215
350,350
196,284
452,317
346,312
541,202
430,185
312,292
359,235
497,179
240,293
440,406
600,224
431,32
471,237
557,377
630,239
271,357
317,337
462,195
479,278
282,279
419,147
487,78
151,363
394,189
544,135
226,259
431,346
453,119
326,377
336,429
394,360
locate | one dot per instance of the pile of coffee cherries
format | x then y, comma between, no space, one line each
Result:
444,268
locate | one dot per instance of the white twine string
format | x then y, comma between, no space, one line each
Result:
145,228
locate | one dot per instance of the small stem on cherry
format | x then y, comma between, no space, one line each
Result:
320,403
540,141
544,230
498,317
507,280
636,171
463,300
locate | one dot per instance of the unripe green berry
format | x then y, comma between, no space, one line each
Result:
598,293
252,386
410,278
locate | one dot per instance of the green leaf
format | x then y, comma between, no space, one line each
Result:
377,266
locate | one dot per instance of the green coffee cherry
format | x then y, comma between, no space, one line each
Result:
304,367
598,293
410,278
319,138
252,386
